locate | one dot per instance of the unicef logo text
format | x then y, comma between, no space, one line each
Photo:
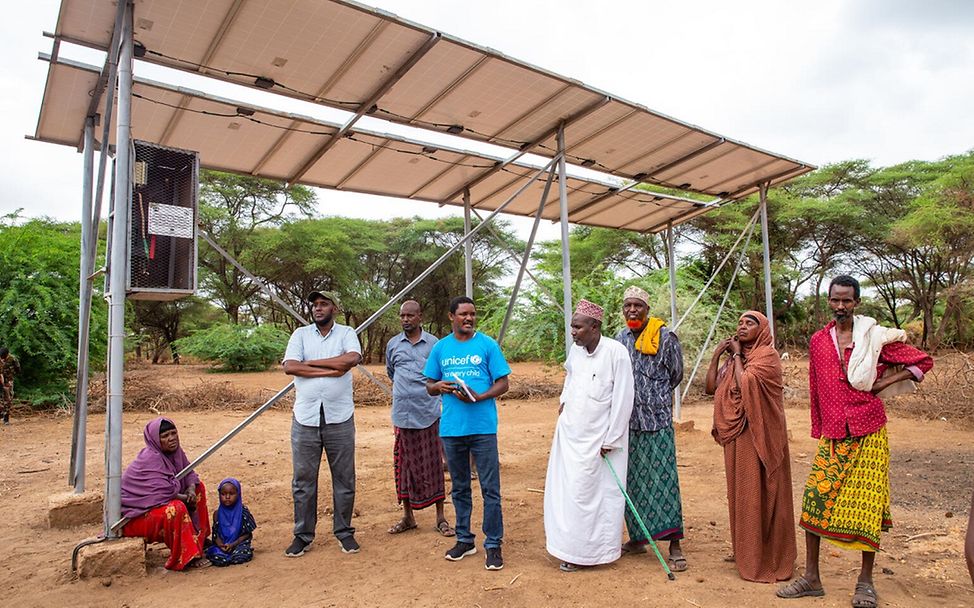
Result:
464,360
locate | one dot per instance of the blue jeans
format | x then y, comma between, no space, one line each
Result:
484,451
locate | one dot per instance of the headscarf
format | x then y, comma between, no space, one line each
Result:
758,403
229,520
150,480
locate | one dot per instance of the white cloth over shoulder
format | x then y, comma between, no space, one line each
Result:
583,507
868,338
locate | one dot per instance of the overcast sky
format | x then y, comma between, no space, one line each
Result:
884,80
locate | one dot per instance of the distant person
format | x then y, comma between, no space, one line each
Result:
468,369
652,479
749,422
161,508
9,370
233,527
584,508
319,356
852,363
416,455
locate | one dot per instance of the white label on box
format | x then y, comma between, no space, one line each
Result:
170,220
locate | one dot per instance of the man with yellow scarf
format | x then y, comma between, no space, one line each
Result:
652,480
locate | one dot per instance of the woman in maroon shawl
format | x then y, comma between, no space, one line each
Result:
161,508
749,421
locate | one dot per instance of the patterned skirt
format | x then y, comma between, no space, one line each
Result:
846,498
418,460
173,525
654,486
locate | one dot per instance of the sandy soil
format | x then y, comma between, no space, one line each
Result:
932,480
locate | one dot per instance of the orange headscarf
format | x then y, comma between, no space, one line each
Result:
758,403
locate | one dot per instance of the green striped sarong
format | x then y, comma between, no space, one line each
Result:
653,485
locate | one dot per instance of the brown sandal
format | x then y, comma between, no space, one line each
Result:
401,526
445,529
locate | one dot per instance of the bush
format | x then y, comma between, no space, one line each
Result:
39,307
237,347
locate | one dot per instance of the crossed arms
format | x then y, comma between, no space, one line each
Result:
332,367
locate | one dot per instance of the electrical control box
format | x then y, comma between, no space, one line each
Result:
162,221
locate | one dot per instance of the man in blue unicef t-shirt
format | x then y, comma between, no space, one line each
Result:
468,369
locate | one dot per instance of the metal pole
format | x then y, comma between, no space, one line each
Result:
527,271
116,521
768,307
566,265
713,276
525,259
76,472
233,432
720,310
274,298
468,245
671,260
119,267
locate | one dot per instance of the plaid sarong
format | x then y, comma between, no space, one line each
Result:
418,460
654,486
846,498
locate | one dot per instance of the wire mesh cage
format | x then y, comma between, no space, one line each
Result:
162,239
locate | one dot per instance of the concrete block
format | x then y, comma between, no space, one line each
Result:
69,509
122,557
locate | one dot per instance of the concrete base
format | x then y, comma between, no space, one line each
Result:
122,557
69,509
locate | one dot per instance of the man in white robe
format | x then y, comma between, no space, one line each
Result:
583,506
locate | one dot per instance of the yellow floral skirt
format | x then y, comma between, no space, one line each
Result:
846,499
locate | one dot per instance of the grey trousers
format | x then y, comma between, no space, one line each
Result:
338,442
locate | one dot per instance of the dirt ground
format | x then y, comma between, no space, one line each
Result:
932,480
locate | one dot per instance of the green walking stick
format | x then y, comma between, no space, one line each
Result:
639,519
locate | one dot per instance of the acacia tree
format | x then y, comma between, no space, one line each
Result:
159,324
368,261
232,209
920,240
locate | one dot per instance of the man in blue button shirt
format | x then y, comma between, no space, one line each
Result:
417,460
320,356
468,369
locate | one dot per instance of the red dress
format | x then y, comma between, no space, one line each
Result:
173,525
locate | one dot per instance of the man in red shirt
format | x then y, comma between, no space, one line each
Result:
846,499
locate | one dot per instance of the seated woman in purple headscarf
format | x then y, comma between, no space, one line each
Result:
233,527
161,508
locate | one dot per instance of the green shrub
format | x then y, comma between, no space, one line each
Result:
39,307
237,347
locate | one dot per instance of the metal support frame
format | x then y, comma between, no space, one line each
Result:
76,471
566,263
720,309
119,267
277,300
525,259
467,246
713,276
765,237
515,255
671,262
365,106
365,324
